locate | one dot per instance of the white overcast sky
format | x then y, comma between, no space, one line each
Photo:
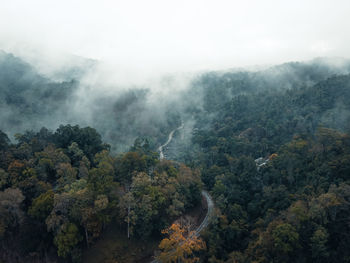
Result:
176,34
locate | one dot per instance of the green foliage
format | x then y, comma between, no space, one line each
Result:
4,141
87,139
129,164
11,214
66,240
287,196
319,248
42,205
289,205
67,201
154,200
285,239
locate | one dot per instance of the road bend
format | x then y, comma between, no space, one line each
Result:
205,194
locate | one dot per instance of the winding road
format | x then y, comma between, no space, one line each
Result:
205,194
205,222
160,149
210,205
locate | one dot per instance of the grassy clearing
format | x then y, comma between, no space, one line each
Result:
114,246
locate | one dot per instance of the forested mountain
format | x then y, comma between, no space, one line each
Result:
267,119
272,147
277,163
28,100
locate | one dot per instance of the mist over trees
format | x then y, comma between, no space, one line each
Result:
271,146
28,100
276,160
123,113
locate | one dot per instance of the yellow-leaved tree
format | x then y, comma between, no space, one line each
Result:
180,245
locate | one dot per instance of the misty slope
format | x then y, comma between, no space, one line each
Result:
31,101
292,204
269,119
283,100
28,100
129,115
218,88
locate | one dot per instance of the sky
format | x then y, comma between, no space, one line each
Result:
177,35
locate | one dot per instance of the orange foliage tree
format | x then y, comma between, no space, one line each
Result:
180,245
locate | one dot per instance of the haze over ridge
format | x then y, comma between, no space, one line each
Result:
144,37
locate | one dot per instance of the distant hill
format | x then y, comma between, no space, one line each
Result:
29,100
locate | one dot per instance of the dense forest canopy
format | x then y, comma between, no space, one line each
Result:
272,147
60,190
275,156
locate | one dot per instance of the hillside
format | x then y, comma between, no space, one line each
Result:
272,147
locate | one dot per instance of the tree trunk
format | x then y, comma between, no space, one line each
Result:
86,237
